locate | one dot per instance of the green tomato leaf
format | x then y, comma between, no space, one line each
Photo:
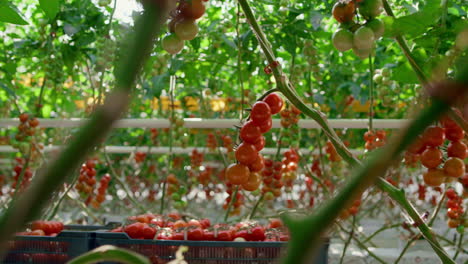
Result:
10,14
50,7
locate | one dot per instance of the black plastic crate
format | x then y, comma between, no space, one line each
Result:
205,252
45,249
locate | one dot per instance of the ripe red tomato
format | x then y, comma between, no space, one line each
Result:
253,183
134,230
266,126
457,149
258,164
454,167
148,232
434,177
237,174
246,153
260,113
195,234
205,223
224,235
344,12
260,144
208,235
431,158
452,214
23,117
454,133
433,136
193,9
257,233
275,223
250,132
275,102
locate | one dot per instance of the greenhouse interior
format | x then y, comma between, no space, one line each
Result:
233,132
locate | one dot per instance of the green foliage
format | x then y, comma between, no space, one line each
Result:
50,7
10,14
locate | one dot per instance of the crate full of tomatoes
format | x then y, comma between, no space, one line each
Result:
49,242
159,237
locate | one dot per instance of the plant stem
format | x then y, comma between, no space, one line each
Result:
231,202
371,92
361,245
460,241
59,202
383,228
239,62
254,209
351,234
123,185
85,209
407,246
48,180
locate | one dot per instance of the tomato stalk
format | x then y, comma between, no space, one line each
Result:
351,234
47,181
231,202
371,92
123,184
254,209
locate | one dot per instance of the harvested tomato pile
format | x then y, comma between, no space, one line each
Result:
172,227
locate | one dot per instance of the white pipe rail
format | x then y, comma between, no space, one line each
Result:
165,150
212,123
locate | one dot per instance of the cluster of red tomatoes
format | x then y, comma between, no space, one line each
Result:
173,227
196,158
211,142
352,35
352,210
139,156
429,147
100,197
331,152
375,139
454,209
18,170
43,228
87,178
251,162
28,127
227,143
183,24
290,161
272,182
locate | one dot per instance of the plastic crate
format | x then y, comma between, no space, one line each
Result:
206,252
45,249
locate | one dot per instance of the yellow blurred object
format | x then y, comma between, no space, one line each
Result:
68,83
218,104
80,104
360,108
191,103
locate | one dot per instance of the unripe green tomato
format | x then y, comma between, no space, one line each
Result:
186,29
23,147
386,81
42,22
269,196
172,44
362,53
461,229
256,192
370,8
363,38
377,78
179,204
377,27
461,41
103,3
182,190
285,141
175,196
342,40
386,72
